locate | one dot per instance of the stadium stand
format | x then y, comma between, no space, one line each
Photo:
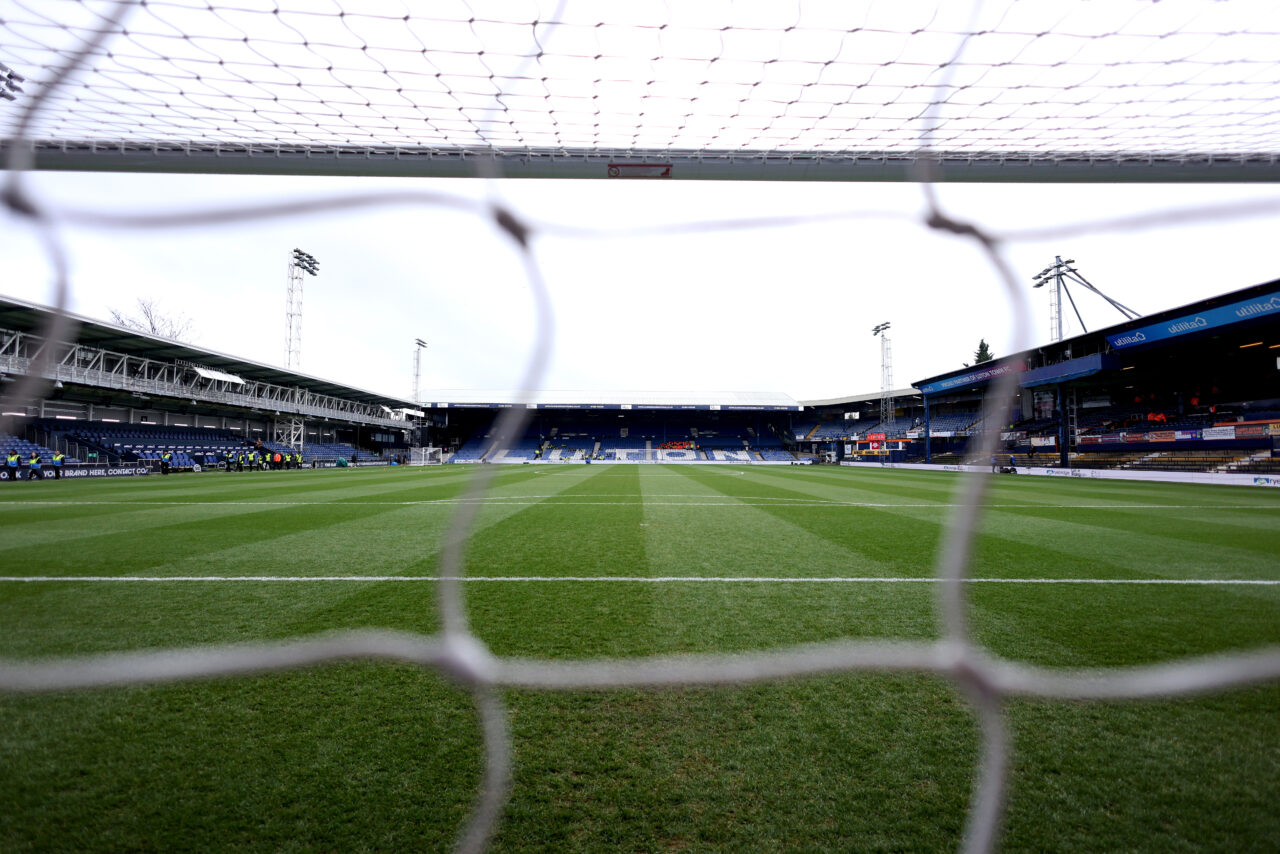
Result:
24,448
189,447
528,448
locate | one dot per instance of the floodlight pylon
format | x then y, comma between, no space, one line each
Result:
1060,273
888,421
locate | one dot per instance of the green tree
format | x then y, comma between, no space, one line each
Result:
983,353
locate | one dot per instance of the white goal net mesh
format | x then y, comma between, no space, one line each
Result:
793,89
1004,90
426,456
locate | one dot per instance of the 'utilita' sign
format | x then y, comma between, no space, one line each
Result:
1190,323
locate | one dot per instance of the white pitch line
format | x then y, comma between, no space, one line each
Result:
568,501
639,579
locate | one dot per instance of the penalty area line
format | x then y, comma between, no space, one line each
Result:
631,579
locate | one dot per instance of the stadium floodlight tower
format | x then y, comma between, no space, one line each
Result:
299,262
418,346
290,431
887,421
1061,273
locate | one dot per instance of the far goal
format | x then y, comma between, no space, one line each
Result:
425,457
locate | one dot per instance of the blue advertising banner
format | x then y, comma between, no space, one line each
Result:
1191,323
1072,369
981,375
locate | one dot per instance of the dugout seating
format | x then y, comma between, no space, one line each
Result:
147,442
332,451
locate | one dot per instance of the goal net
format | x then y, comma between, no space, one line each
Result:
1011,90
1001,91
425,457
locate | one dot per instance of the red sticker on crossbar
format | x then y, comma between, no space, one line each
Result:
639,170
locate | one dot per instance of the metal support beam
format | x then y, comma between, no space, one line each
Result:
91,366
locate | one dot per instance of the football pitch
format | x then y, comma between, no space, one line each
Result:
579,562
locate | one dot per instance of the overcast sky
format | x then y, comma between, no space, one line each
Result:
781,309
784,309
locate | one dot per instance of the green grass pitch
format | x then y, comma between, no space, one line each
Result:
376,756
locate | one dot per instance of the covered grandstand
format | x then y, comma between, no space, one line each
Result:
117,399
1192,388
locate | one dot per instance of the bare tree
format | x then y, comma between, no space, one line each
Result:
153,320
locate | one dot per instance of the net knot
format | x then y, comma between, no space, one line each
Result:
468,660
507,221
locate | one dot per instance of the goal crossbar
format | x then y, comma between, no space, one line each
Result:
409,162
